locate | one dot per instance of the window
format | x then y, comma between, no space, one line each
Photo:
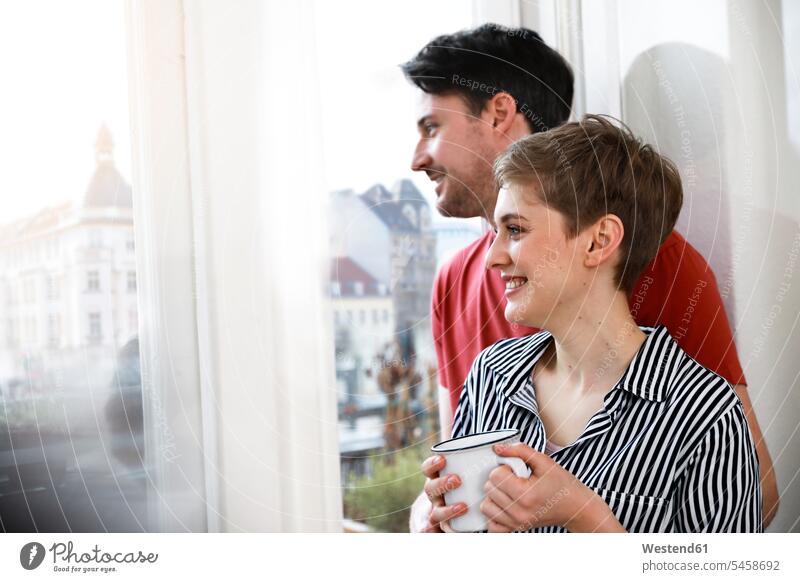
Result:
377,206
12,333
53,287
92,281
58,347
28,290
95,328
131,281
410,214
54,330
424,217
96,238
31,335
133,321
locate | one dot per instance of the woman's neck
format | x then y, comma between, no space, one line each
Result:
591,350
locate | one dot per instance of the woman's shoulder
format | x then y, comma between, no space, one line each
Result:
704,397
505,352
692,380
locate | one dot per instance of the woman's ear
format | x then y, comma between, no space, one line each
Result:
605,237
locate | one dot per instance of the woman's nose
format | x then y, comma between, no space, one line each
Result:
496,256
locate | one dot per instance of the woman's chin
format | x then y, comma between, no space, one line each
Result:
515,318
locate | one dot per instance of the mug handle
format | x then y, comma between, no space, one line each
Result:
517,465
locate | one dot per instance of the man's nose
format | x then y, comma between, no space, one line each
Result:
421,159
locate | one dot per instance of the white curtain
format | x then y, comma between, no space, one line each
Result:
264,339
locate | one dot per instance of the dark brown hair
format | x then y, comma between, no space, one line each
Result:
587,169
478,63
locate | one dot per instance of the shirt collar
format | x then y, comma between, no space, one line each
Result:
654,368
649,375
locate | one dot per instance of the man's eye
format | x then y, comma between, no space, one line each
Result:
429,128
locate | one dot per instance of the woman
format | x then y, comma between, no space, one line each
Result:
622,430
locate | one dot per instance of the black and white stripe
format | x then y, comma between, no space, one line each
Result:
670,451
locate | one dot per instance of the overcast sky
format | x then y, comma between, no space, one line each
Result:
66,63
64,70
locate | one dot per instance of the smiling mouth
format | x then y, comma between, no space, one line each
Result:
516,282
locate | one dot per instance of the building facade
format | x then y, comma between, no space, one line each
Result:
68,280
388,236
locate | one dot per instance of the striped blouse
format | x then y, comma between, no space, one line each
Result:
669,451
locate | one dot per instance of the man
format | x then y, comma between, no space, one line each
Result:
480,90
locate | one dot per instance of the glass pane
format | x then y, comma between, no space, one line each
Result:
387,241
71,447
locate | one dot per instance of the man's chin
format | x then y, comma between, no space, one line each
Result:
448,210
443,208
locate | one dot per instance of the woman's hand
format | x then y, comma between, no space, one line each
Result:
435,487
550,496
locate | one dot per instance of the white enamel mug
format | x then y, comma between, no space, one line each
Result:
472,459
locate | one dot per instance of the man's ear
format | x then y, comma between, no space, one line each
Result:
500,112
605,237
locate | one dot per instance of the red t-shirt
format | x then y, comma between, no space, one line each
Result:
677,289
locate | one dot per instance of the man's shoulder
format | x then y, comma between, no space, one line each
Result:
678,258
456,265
678,273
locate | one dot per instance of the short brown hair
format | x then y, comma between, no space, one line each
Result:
594,167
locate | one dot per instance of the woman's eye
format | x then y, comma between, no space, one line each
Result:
513,230
429,128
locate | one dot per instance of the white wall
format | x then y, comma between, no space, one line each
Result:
706,83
